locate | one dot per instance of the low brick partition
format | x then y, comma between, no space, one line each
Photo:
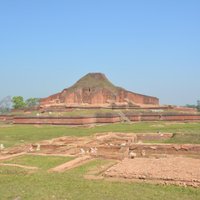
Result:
180,117
164,117
97,119
173,149
6,118
66,120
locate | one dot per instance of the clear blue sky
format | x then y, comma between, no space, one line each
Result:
147,46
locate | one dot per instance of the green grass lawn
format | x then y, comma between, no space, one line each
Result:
70,185
42,162
11,135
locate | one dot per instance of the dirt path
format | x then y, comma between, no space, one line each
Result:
71,164
7,157
46,154
16,165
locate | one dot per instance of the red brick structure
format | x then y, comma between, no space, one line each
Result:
95,89
99,119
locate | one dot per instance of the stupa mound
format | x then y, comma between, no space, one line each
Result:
95,89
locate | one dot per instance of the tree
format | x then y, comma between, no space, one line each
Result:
18,102
198,105
32,102
190,106
5,104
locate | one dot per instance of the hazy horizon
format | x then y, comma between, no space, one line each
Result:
148,47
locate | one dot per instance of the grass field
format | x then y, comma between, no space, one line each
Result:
71,185
11,135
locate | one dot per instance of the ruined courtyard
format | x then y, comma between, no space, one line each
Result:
143,157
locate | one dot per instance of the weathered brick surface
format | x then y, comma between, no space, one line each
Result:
95,89
66,120
101,119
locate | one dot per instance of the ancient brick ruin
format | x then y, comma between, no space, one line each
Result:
95,89
130,156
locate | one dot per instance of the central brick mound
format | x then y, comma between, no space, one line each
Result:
173,170
94,89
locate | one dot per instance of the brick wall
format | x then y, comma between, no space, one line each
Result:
97,119
65,120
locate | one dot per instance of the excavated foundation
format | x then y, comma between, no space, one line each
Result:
110,145
136,158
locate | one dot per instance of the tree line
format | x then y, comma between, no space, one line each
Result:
17,102
194,106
